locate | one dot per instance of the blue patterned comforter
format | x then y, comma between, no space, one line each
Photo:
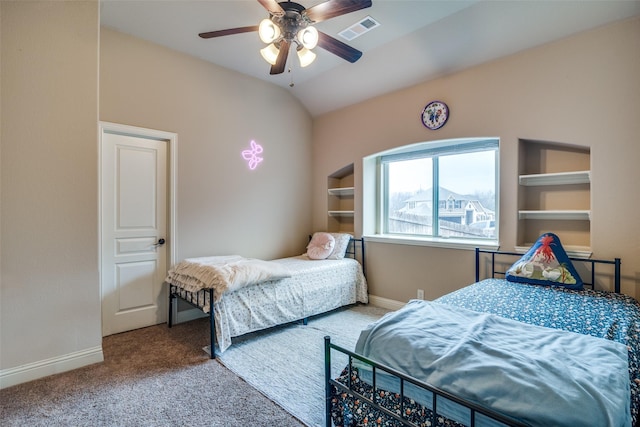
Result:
600,314
597,314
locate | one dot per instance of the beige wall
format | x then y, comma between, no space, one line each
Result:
222,206
49,289
582,90
49,294
50,311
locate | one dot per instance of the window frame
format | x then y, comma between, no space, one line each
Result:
375,186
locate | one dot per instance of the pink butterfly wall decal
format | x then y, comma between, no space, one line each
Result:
251,156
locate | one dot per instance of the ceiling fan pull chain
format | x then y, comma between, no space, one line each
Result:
291,84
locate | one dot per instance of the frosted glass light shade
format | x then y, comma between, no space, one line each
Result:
268,31
308,37
306,57
270,53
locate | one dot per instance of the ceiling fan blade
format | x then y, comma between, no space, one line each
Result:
281,62
338,48
228,32
333,8
272,6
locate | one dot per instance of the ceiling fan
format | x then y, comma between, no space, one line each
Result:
290,23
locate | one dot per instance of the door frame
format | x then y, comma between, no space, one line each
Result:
172,160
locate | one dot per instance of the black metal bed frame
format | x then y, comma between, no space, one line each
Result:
199,299
403,378
616,262
373,401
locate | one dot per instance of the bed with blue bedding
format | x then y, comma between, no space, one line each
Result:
498,352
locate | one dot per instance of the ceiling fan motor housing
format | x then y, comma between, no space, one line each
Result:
292,21
295,25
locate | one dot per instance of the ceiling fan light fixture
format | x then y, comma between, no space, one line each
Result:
292,25
270,54
308,37
268,30
306,57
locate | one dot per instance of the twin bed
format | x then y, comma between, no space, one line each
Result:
290,289
498,352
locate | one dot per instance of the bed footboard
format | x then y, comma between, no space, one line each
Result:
401,411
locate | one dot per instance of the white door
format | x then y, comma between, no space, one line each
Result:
134,232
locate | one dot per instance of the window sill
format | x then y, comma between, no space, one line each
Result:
433,242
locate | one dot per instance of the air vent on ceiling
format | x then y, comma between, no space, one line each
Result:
359,28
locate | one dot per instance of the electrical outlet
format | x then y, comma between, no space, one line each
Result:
420,294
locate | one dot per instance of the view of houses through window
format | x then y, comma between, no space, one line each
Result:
461,178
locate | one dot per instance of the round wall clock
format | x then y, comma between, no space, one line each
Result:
435,115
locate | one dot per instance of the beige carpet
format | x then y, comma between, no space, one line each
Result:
154,376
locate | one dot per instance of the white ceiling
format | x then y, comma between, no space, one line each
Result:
417,40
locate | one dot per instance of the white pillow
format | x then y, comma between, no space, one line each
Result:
321,245
342,243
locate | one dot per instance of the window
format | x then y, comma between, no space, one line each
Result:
439,190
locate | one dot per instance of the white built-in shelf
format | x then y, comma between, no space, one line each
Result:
341,200
340,213
583,215
559,178
571,250
341,191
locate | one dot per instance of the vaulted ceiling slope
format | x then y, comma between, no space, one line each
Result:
416,41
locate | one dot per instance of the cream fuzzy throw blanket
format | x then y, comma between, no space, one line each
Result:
224,273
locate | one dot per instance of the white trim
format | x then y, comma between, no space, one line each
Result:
559,178
340,213
569,215
172,197
54,365
187,315
341,191
448,243
386,303
374,191
572,251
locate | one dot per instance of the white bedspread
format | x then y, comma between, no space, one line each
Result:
224,273
314,287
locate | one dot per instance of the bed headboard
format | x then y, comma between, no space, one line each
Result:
355,250
352,251
588,263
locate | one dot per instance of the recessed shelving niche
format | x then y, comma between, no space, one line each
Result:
340,203
554,194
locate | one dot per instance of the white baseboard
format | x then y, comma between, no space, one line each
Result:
55,365
389,304
188,314
43,368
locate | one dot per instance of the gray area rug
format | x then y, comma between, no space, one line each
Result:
286,363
